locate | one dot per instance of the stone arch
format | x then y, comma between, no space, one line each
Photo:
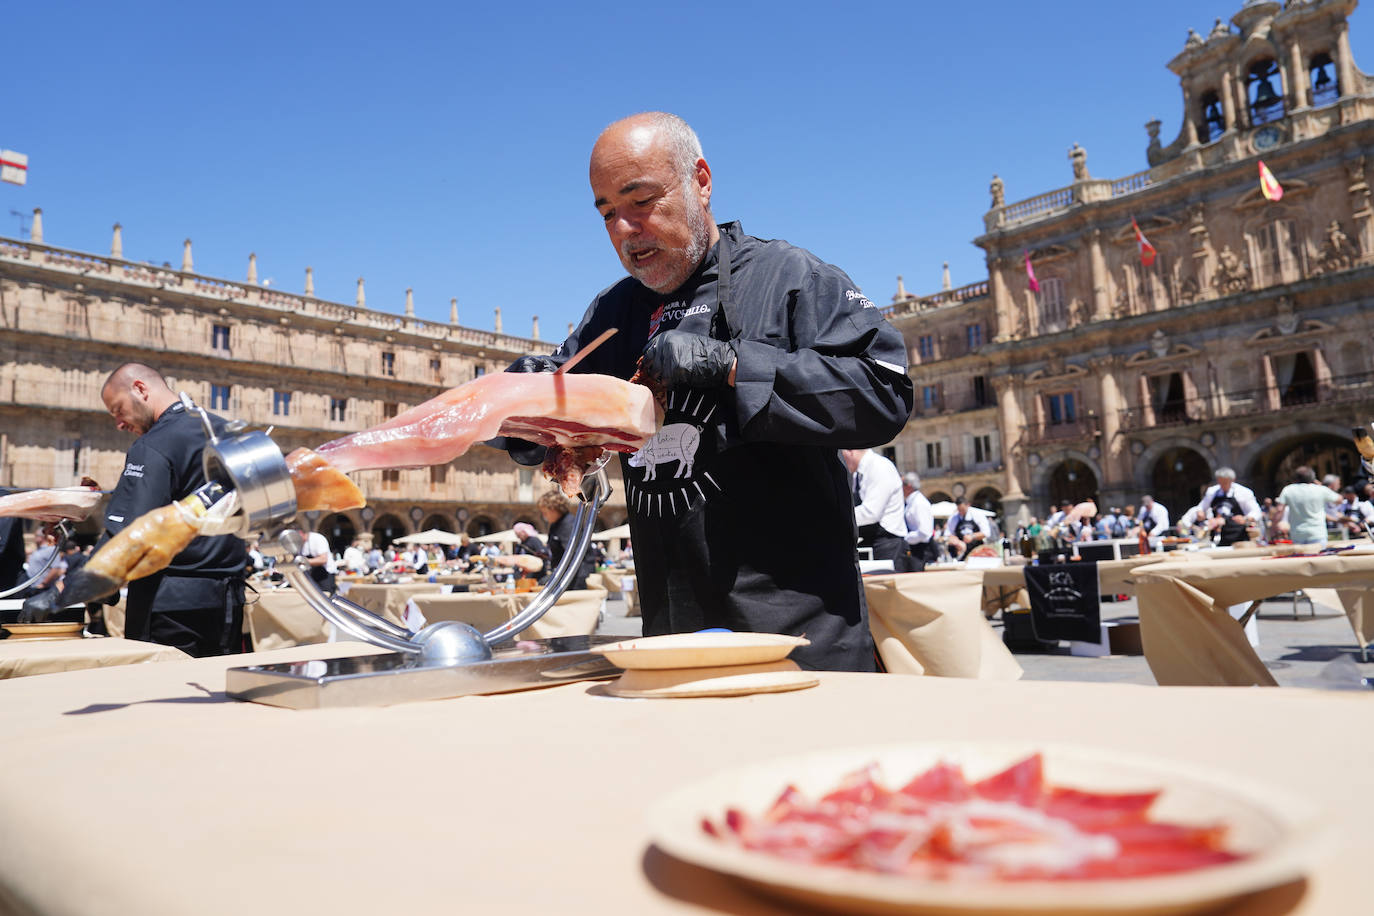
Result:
387,528
481,524
1144,464
1259,461
989,498
339,530
1041,473
940,496
437,520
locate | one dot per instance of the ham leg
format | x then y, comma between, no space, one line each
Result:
566,410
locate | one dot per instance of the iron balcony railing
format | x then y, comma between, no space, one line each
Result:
1251,401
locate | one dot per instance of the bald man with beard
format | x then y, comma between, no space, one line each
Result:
196,603
768,362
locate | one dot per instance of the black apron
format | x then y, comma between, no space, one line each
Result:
1227,508
711,539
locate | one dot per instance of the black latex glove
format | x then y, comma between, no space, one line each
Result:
676,358
522,451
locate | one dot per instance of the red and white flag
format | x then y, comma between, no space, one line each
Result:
1030,275
1147,251
14,167
1269,184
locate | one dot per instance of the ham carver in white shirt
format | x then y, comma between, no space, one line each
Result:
878,505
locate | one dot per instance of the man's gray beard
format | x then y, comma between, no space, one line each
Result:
701,237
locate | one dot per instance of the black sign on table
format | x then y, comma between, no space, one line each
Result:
1064,601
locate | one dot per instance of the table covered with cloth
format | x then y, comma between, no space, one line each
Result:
932,623
147,839
389,601
1189,635
23,657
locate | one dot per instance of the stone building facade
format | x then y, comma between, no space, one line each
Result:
311,369
1246,342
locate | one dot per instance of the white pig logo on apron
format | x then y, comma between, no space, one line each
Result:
666,476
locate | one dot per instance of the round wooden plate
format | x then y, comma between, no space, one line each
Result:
45,630
1275,830
701,650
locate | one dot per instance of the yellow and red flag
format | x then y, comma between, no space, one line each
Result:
1147,251
1269,184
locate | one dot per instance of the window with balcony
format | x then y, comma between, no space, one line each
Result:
982,395
982,449
1262,86
935,457
1296,377
388,364
974,336
890,453
1051,300
1326,82
391,480
338,409
438,475
479,371
1060,408
281,403
219,397
1169,397
1212,121
1278,253
219,339
436,373
389,410
925,346
930,397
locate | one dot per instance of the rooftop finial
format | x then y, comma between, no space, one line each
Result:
117,242
534,332
362,295
410,303
187,265
252,267
36,227
310,281
901,290
453,310
498,319
944,279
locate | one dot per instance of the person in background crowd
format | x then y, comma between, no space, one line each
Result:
73,556
1229,509
44,549
465,550
196,603
1155,519
354,559
415,558
319,560
1352,512
556,510
528,544
920,524
375,559
1111,526
966,529
878,504
1057,515
256,561
1305,502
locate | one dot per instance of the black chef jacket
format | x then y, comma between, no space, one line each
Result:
740,509
196,603
560,539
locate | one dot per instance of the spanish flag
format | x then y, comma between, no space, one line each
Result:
1269,184
1147,251
1030,275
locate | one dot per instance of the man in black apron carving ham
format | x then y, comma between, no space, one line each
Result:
770,361
1229,508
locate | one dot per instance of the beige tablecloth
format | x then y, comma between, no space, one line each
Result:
1188,634
23,657
389,601
565,775
933,623
575,614
280,618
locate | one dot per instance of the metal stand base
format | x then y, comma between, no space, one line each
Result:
399,677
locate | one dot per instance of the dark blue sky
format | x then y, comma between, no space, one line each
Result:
444,146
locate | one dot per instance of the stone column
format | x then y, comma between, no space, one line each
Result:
1102,304
1147,403
187,265
310,281
1272,400
361,300
410,303
1002,306
1189,119
1345,64
1118,476
117,242
1228,100
1297,77
1012,421
252,268
1322,369
36,227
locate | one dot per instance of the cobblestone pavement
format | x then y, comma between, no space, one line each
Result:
1296,651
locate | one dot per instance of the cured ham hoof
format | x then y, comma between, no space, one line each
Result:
40,608
81,587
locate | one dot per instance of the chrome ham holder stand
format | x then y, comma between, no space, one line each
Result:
444,659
